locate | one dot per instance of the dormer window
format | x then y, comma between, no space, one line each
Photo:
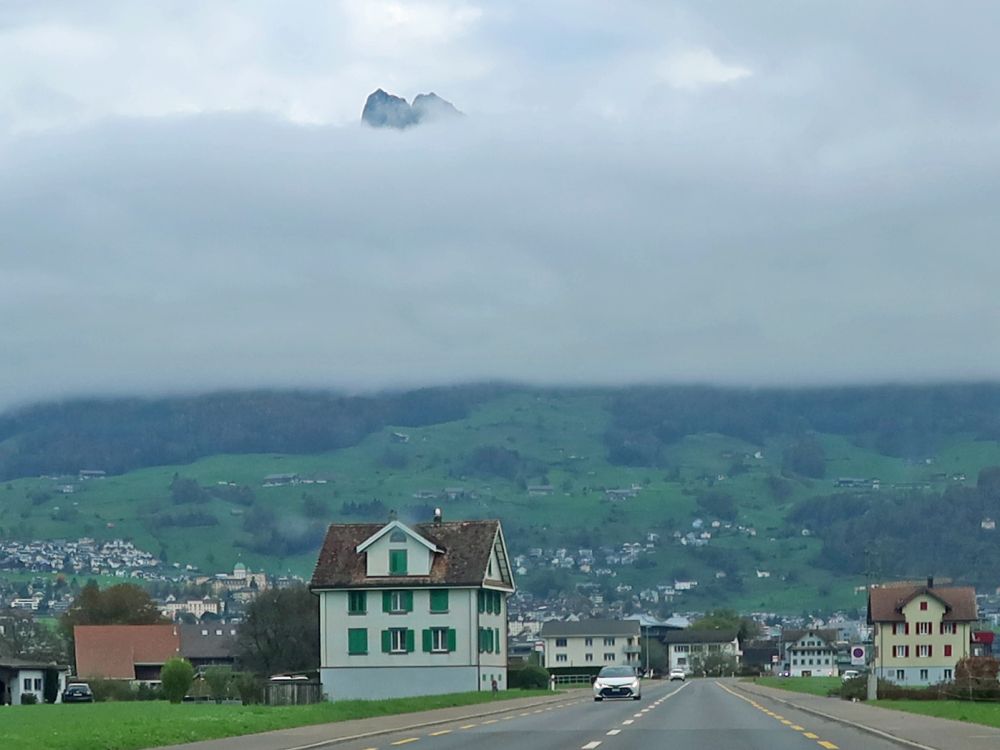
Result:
397,562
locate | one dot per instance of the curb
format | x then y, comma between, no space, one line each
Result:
422,725
847,722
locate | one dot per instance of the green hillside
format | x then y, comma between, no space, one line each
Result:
521,438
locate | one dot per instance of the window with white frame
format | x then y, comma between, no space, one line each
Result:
397,640
609,657
609,641
439,640
562,657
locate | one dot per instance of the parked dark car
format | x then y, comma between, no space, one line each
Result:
77,692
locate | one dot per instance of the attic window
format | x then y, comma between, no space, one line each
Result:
397,562
397,536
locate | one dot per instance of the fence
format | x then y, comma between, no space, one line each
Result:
292,693
571,679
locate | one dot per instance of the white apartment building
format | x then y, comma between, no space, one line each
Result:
589,645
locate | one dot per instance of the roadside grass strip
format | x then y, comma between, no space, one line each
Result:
781,719
137,725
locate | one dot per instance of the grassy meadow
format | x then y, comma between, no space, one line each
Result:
559,436
133,725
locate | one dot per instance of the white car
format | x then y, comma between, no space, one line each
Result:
850,674
678,674
617,682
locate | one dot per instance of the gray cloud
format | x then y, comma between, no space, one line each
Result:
825,216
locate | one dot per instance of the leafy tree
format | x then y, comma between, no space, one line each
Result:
806,457
654,655
715,664
280,632
218,680
977,671
728,619
988,483
187,491
718,504
24,637
176,677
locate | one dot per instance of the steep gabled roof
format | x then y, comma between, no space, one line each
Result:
112,651
392,526
598,628
885,603
465,549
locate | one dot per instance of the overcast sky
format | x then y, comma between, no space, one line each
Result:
726,192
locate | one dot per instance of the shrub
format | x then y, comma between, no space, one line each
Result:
112,690
218,679
530,678
854,689
28,699
176,678
249,687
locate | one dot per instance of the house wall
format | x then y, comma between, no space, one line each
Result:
811,654
381,675
682,655
938,667
620,649
36,682
418,556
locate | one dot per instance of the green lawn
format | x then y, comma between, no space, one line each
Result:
812,685
977,713
133,725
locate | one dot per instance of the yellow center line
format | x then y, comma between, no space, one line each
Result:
827,745
491,721
797,728
469,726
810,736
440,732
406,741
786,722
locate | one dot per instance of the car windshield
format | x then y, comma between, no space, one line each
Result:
617,672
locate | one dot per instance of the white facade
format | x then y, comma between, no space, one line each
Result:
398,634
591,651
469,653
811,656
688,655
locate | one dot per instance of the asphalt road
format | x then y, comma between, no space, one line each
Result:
699,715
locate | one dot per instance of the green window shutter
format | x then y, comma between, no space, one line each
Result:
452,640
386,601
408,601
427,640
409,641
397,562
496,632
386,641
482,600
357,641
496,602
481,641
439,600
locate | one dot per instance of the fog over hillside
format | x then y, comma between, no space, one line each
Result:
703,194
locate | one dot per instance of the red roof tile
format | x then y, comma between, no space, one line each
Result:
112,651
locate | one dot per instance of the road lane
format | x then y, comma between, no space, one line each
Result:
699,715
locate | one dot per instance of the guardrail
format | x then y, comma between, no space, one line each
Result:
570,679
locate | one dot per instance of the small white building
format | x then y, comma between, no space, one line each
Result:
412,611
20,677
